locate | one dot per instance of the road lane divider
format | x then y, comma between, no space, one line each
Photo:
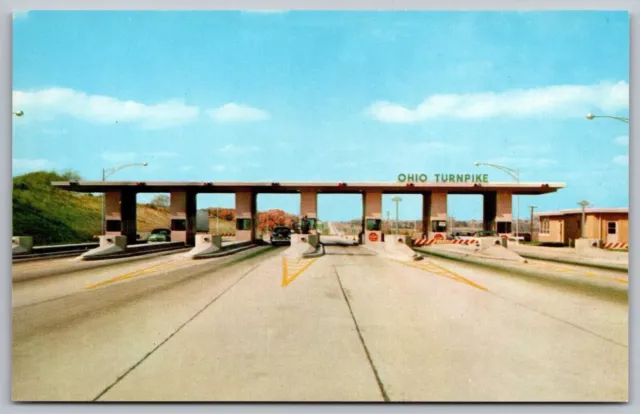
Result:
436,269
294,267
573,272
174,264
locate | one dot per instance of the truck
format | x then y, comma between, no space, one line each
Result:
202,221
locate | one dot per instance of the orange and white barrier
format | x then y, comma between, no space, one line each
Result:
429,242
616,246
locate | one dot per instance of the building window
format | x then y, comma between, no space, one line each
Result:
243,224
611,227
178,225
544,226
114,225
439,226
374,224
504,227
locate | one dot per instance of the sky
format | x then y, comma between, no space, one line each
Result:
328,96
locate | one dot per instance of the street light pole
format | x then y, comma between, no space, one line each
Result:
106,172
515,174
584,204
531,222
397,200
591,116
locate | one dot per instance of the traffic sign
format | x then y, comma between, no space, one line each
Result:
373,236
438,236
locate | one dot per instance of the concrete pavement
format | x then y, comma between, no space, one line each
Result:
351,326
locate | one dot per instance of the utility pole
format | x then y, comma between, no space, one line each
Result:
584,204
531,221
388,222
397,200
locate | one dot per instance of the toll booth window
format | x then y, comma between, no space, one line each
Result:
611,227
504,227
312,223
243,224
178,225
114,225
439,226
374,224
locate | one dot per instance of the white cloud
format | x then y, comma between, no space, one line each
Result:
20,14
31,164
46,104
563,101
622,140
218,168
232,112
230,148
119,156
621,159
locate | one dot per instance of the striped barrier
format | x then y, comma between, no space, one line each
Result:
429,242
616,246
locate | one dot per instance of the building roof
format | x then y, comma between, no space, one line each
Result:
598,210
296,187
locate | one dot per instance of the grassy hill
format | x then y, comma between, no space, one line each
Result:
53,216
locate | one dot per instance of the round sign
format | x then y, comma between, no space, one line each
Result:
504,236
373,237
438,236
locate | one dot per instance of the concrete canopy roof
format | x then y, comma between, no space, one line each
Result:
295,187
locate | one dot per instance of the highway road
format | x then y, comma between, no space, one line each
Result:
347,326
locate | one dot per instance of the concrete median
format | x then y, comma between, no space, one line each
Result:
608,290
116,247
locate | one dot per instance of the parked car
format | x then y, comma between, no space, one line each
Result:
159,235
485,233
281,235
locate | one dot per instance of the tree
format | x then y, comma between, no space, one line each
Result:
160,200
71,175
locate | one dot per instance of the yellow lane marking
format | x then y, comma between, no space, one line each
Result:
139,272
292,268
438,270
574,272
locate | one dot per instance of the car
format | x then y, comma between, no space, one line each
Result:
159,235
281,235
485,233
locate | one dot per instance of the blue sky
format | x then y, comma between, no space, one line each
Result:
327,96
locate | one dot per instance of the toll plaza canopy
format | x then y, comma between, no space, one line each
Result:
120,202
296,187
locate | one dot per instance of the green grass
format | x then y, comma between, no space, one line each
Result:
52,216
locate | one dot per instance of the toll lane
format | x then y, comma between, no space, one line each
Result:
350,326
434,338
74,347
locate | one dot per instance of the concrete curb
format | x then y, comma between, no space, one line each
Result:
223,252
621,268
130,254
608,292
90,264
317,253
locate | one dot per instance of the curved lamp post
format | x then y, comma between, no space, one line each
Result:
19,113
591,116
106,172
584,204
515,174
